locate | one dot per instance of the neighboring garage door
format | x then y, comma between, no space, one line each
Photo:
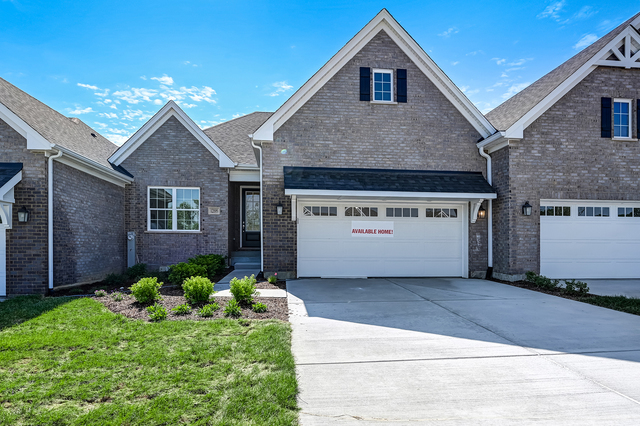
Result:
591,239
373,239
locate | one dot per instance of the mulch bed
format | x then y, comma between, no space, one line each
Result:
531,286
172,296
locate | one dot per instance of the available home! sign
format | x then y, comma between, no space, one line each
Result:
371,229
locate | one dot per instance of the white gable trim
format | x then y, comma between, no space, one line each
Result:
382,21
171,109
516,131
34,139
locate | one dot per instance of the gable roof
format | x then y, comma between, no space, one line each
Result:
383,21
518,106
171,109
69,133
233,136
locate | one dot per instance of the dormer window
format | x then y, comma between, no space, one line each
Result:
622,118
382,85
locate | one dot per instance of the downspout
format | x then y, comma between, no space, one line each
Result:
50,215
261,208
489,217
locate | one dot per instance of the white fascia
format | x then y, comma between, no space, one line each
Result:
35,141
171,109
382,21
494,142
92,168
461,196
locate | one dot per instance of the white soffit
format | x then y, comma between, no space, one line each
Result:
626,59
382,21
171,109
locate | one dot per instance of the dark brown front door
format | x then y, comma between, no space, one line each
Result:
250,217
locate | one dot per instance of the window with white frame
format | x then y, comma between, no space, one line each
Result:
174,209
320,211
622,118
361,211
593,211
628,211
402,212
382,85
555,210
440,213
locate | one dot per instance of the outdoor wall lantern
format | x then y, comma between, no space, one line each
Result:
482,213
23,215
279,209
526,209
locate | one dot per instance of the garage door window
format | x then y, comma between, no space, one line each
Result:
361,211
555,211
402,212
319,211
628,211
442,213
593,211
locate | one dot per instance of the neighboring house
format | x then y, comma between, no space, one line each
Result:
377,166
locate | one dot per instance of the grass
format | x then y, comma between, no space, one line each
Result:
70,361
630,305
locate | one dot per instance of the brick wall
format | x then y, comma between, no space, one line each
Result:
26,242
562,156
172,156
88,224
335,129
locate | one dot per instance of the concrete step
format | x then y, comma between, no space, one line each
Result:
247,265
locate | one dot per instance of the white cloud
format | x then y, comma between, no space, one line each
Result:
144,77
447,33
103,94
117,139
165,79
514,69
514,89
475,52
281,87
499,61
112,106
585,41
455,63
157,102
552,11
79,111
88,86
107,115
464,88
472,92
519,62
135,95
185,105
99,124
132,114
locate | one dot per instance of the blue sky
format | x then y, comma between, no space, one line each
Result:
115,63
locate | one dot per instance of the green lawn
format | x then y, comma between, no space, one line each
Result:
70,361
630,305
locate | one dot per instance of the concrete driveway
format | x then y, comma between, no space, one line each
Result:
459,352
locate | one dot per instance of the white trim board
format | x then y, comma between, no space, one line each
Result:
383,21
389,194
171,109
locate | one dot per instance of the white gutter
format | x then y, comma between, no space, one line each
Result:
261,207
50,215
489,212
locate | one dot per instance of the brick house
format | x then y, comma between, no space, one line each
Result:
377,166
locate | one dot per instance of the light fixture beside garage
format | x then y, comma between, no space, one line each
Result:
526,209
23,215
482,213
279,209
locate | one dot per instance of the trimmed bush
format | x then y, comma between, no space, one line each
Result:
136,271
197,289
273,278
182,309
181,271
577,288
215,263
571,287
146,290
208,310
114,280
232,309
259,307
244,290
157,312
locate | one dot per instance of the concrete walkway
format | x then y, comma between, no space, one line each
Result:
629,288
224,283
459,352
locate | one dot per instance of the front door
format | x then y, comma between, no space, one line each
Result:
250,217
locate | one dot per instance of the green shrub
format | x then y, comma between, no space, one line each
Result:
215,263
244,290
197,289
273,278
157,312
232,309
76,291
159,275
574,287
117,296
208,310
182,309
136,271
259,307
100,293
114,280
146,290
542,281
181,271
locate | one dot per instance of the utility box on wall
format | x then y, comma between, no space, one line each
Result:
131,249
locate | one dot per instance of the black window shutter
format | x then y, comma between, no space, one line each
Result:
365,84
606,117
401,84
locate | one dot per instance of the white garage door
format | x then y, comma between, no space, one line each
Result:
373,239
581,239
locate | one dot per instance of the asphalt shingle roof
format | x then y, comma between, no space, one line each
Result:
336,179
8,171
232,136
69,133
506,114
